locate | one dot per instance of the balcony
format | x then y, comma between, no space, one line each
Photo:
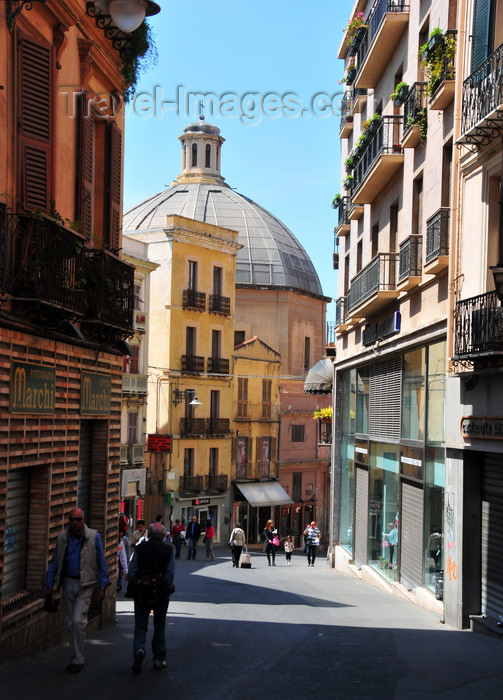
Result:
192,364
191,484
45,268
359,99
108,283
478,331
124,456
193,427
437,242
414,116
219,305
195,301
482,108
441,60
218,365
215,482
355,210
386,24
410,263
257,470
340,315
343,224
373,287
134,384
380,157
346,126
218,427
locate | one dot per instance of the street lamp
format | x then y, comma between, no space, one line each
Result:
179,396
126,15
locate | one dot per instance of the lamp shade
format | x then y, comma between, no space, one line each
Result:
127,15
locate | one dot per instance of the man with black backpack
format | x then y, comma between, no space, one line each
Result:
151,576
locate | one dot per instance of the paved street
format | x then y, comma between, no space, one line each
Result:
273,632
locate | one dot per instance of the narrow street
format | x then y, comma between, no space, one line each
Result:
273,632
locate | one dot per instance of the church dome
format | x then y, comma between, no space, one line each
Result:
270,256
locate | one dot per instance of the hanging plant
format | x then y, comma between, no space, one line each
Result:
438,62
139,54
399,94
336,201
357,21
323,414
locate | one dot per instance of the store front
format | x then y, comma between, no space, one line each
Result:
257,502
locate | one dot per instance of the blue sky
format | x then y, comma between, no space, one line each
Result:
281,148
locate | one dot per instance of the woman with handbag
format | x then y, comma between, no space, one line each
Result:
236,543
269,534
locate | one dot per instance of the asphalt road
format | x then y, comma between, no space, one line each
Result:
264,633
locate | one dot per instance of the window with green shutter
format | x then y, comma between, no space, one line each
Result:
481,32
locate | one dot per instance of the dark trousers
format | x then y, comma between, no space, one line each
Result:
271,552
311,553
141,615
236,553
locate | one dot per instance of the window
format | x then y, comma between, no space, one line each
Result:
130,362
413,399
35,95
217,281
208,156
188,462
307,353
214,404
132,428
194,155
239,337
216,341
482,33
136,297
213,466
192,281
241,457
297,432
266,397
242,397
190,340
374,241
417,207
296,486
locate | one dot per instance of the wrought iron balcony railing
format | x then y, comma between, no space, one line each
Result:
382,138
194,300
218,426
192,426
191,484
378,276
46,263
340,311
342,212
437,235
109,285
219,304
218,365
482,100
414,107
410,258
192,363
346,124
215,482
478,327
257,470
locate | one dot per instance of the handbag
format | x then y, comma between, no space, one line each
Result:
275,541
51,605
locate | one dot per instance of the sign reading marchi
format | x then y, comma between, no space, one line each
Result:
95,394
32,388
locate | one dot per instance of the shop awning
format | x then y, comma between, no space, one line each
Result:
265,493
320,378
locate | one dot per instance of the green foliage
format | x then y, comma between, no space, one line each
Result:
336,201
394,94
438,63
140,54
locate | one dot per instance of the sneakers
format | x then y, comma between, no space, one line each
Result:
138,660
159,664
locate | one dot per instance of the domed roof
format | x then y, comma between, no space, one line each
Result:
270,256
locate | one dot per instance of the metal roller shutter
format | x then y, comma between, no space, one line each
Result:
492,536
16,537
411,536
385,399
361,516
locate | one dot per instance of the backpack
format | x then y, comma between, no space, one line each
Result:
150,587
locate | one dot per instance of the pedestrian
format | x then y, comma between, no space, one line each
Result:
313,539
123,524
193,535
122,560
78,565
268,536
139,534
209,534
154,557
289,547
237,541
178,536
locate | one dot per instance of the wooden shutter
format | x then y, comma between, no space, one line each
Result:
35,81
115,182
481,32
85,203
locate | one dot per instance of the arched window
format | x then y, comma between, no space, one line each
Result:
208,156
194,155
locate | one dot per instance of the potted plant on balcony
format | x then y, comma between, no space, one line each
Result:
420,119
337,201
399,94
436,39
323,414
348,182
438,63
374,123
349,164
356,24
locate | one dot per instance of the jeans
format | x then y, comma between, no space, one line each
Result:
271,550
209,548
76,605
311,553
192,548
141,615
178,546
